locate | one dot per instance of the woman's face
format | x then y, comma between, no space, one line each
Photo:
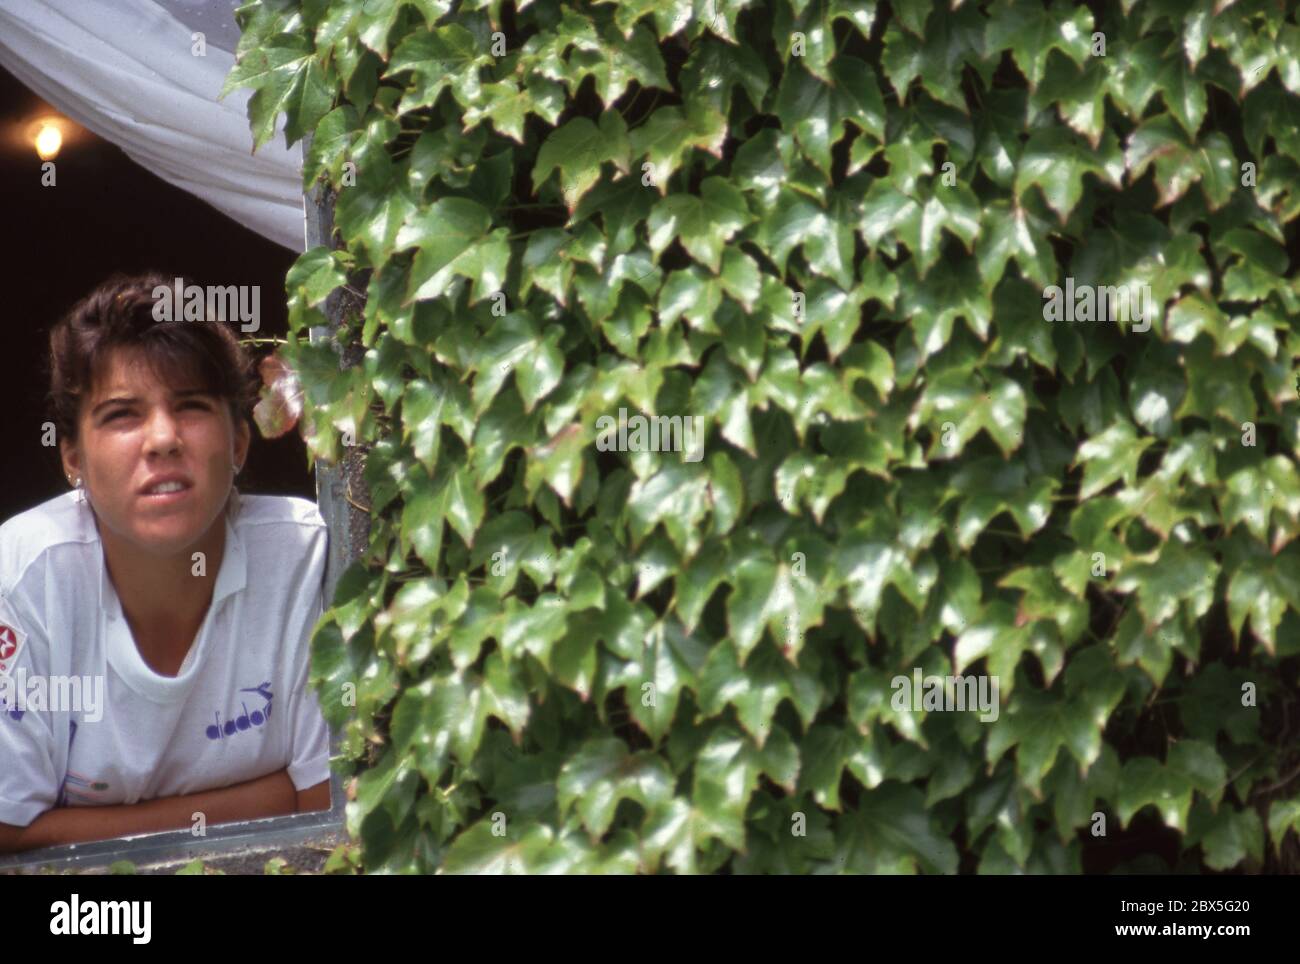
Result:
134,431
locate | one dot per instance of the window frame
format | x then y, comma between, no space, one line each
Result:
348,533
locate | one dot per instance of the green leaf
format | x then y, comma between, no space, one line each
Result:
1253,248
1039,724
422,518
1262,587
1178,575
334,136
316,273
794,221
715,69
1179,163
446,57
465,505
507,105
1216,386
602,773
559,462
933,306
1056,159
1283,816
577,150
753,580
285,78
950,39
726,773
920,226
1012,232
999,410
616,62
662,664
868,564
1191,766
1031,33
451,236
1044,598
421,421
1110,456
480,850
756,689
815,111
1251,52
670,133
1214,703
892,832
1079,95
675,831
704,224
1227,836
989,486
534,629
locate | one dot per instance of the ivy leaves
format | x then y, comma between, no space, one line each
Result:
1055,161
452,239
578,149
286,79
920,223
1032,33
704,223
819,236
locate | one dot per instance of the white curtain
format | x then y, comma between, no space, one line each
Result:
124,70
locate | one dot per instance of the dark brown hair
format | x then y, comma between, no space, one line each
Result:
120,314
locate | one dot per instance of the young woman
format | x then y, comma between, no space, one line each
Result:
171,615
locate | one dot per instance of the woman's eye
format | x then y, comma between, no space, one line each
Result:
193,403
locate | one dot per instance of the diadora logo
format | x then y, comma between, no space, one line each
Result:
238,724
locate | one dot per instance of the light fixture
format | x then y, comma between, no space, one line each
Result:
48,141
49,133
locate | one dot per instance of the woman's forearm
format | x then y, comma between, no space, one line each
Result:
269,796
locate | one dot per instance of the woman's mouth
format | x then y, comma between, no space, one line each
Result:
167,493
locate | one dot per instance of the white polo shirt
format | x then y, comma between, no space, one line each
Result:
240,707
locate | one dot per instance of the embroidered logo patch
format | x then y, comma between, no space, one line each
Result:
11,644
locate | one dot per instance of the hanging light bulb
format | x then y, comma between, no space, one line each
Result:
48,141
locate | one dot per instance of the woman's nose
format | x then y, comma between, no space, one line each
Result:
160,434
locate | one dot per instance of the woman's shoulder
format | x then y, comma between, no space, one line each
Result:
275,510
29,534
286,543
281,527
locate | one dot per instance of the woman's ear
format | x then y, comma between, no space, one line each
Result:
71,459
243,438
